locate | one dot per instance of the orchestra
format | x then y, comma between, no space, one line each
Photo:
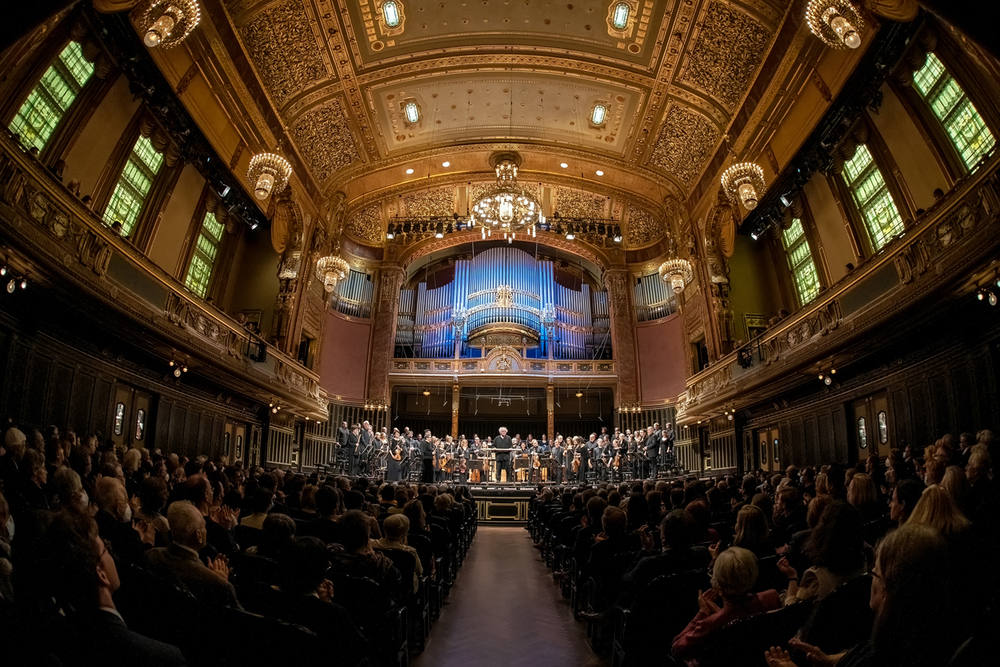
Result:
506,459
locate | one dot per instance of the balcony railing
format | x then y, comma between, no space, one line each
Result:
53,228
496,365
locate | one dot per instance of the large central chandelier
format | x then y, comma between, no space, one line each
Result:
836,22
166,23
506,208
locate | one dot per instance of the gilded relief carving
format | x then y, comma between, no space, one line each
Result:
725,58
643,227
573,203
440,201
366,225
324,138
684,144
283,48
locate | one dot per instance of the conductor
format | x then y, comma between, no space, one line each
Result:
503,443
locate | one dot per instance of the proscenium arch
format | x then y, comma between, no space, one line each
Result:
586,254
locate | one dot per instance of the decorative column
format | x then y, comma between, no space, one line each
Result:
550,403
616,280
549,322
456,399
458,327
383,329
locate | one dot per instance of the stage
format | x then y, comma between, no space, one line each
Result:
502,505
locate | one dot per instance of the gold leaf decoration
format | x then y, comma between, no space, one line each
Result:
440,201
643,227
579,204
366,225
729,48
284,49
324,138
684,143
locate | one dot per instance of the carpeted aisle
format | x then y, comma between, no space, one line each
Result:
506,611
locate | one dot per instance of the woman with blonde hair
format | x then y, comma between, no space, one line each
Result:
822,484
937,509
752,532
862,494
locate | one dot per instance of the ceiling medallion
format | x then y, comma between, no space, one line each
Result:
167,22
331,270
836,22
744,184
268,174
677,272
506,208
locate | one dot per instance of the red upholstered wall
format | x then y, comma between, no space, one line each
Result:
661,353
343,364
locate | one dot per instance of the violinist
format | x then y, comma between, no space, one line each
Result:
393,463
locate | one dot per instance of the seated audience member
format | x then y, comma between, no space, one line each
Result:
401,498
751,531
219,521
592,527
911,597
355,555
957,486
678,554
260,504
276,537
114,521
862,494
181,564
837,551
153,494
77,570
795,549
613,541
789,515
419,535
69,493
733,577
325,526
29,491
396,526
6,536
904,498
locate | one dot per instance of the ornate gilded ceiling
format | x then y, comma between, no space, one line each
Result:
525,74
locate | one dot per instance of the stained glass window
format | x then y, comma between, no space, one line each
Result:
800,262
203,259
133,186
871,194
390,12
959,118
47,103
620,18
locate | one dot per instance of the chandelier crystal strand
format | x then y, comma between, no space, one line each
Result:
167,23
677,272
507,207
837,22
268,174
744,184
331,270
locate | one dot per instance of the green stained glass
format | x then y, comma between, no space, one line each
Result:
871,194
800,262
953,108
133,186
203,258
49,100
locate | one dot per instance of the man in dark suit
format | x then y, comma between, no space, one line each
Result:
365,439
667,444
652,444
343,433
503,444
427,451
82,575
353,440
180,563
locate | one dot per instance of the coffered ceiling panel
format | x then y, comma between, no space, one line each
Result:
520,106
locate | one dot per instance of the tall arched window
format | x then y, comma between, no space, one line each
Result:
871,195
133,185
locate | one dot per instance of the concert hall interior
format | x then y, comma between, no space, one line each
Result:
464,254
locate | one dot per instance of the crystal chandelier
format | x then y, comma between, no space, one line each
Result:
331,270
167,22
268,174
677,272
836,22
506,207
744,184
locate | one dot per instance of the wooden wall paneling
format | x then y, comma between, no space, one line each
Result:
171,442
942,407
60,391
82,408
100,405
205,443
983,390
797,442
920,415
189,436
810,438
17,376
900,422
826,450
841,441
36,395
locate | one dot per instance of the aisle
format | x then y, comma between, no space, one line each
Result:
506,611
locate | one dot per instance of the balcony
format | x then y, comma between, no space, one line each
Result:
888,293
502,364
79,255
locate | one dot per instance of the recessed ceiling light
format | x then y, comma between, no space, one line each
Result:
446,164
409,171
600,173
563,165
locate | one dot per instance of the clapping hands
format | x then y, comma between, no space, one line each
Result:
225,517
706,602
220,567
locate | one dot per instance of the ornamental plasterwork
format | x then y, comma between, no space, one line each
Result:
572,203
366,225
684,144
283,48
440,201
725,58
325,140
633,9
373,9
642,227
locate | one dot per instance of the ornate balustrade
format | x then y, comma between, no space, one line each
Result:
929,261
42,220
503,362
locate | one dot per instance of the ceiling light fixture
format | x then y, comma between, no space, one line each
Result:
167,22
600,173
676,272
409,171
268,174
563,165
744,184
331,270
836,22
507,206
446,164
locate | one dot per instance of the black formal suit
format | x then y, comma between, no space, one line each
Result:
352,450
667,445
652,445
504,442
427,451
125,542
183,567
343,434
100,637
364,450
